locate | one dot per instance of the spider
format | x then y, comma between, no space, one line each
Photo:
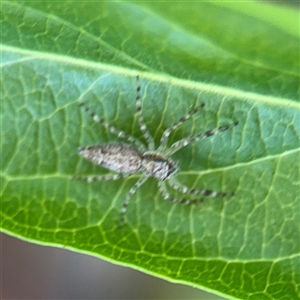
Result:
134,157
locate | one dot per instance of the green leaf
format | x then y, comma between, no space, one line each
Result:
240,59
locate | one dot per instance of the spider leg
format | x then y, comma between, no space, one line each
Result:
197,137
163,189
203,192
141,121
101,177
128,196
113,129
168,131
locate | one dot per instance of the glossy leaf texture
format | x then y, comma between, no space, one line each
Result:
240,59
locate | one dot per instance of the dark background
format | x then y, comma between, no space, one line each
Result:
30,271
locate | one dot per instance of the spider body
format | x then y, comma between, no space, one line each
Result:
123,158
134,157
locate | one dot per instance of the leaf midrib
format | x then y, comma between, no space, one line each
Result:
163,78
130,59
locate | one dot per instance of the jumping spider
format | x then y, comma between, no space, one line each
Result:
128,159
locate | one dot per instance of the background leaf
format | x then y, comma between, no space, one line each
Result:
239,59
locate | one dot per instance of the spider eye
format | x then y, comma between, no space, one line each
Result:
173,168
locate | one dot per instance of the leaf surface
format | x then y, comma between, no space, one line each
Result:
241,60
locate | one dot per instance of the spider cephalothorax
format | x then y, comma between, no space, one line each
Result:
134,157
158,166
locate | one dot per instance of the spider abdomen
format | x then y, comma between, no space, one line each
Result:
118,157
